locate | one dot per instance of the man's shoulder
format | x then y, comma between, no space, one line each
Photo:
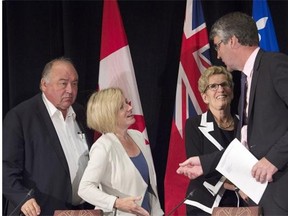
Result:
29,104
25,110
269,54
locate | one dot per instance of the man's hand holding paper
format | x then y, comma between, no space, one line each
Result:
263,170
237,163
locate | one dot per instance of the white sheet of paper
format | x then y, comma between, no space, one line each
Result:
236,164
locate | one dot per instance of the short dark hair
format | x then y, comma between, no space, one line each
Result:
239,24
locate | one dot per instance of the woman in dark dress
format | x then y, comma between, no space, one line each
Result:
206,135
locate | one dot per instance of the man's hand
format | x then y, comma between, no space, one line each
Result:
191,168
263,170
31,208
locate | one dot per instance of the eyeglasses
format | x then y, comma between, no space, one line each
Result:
217,45
215,86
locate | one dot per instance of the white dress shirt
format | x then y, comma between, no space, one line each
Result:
73,143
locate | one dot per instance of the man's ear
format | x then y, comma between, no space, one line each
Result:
234,42
43,84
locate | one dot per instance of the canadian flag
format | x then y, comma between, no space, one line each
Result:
116,67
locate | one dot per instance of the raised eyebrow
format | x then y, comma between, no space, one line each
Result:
63,81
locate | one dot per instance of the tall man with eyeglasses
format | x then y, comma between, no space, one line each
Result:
235,36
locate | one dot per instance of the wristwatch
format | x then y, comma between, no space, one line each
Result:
236,189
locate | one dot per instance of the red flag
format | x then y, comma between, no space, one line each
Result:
116,67
194,59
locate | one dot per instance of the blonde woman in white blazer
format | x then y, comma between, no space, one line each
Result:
112,181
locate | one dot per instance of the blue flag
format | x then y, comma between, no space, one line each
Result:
264,22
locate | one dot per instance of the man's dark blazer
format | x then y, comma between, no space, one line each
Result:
203,138
268,121
33,157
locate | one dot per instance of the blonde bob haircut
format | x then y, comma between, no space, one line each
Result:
102,109
213,70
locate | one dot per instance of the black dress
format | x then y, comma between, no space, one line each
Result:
198,143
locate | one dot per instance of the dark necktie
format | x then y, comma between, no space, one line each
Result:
243,98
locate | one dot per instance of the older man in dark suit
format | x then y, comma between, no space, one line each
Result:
45,146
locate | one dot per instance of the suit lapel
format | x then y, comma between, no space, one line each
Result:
50,130
206,128
255,77
145,151
143,148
